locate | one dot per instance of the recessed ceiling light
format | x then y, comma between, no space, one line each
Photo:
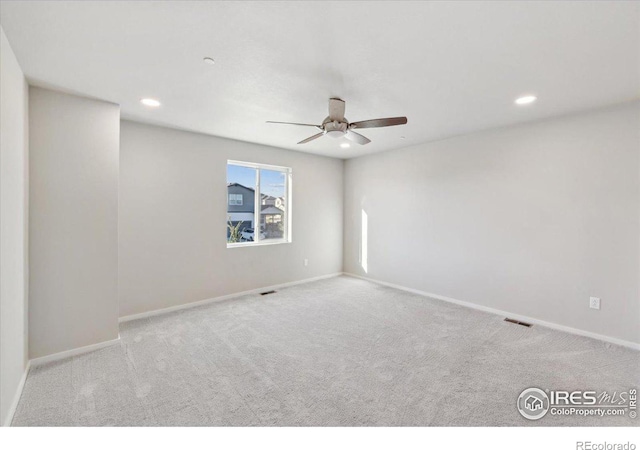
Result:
345,145
526,100
150,102
209,61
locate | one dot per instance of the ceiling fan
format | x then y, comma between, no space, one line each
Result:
335,125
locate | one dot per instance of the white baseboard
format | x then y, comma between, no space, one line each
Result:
73,352
157,312
16,397
554,326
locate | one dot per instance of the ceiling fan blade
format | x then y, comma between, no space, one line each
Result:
336,109
356,137
377,123
315,136
299,124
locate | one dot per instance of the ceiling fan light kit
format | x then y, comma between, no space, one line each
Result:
336,125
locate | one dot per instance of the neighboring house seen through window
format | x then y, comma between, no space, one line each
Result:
259,204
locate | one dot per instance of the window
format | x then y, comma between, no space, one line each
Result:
259,204
235,199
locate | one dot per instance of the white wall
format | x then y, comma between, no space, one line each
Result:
173,203
530,219
13,226
73,224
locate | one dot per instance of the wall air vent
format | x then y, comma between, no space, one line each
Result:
517,322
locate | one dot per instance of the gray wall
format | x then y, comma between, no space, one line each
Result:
73,221
530,219
13,226
173,211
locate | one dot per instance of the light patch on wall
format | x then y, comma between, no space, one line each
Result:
364,242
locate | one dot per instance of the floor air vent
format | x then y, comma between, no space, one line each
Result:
267,293
517,322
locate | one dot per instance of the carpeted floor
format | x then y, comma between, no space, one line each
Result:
341,351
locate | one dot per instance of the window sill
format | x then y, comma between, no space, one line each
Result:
258,244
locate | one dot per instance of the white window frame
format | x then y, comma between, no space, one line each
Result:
236,200
287,239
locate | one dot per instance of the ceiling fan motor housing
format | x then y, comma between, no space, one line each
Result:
334,128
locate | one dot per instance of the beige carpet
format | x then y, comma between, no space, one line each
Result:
336,352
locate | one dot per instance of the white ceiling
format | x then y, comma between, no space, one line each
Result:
451,68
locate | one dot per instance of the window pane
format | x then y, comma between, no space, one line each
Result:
241,191
235,199
273,208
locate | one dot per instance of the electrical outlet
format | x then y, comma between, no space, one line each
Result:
594,303
306,262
